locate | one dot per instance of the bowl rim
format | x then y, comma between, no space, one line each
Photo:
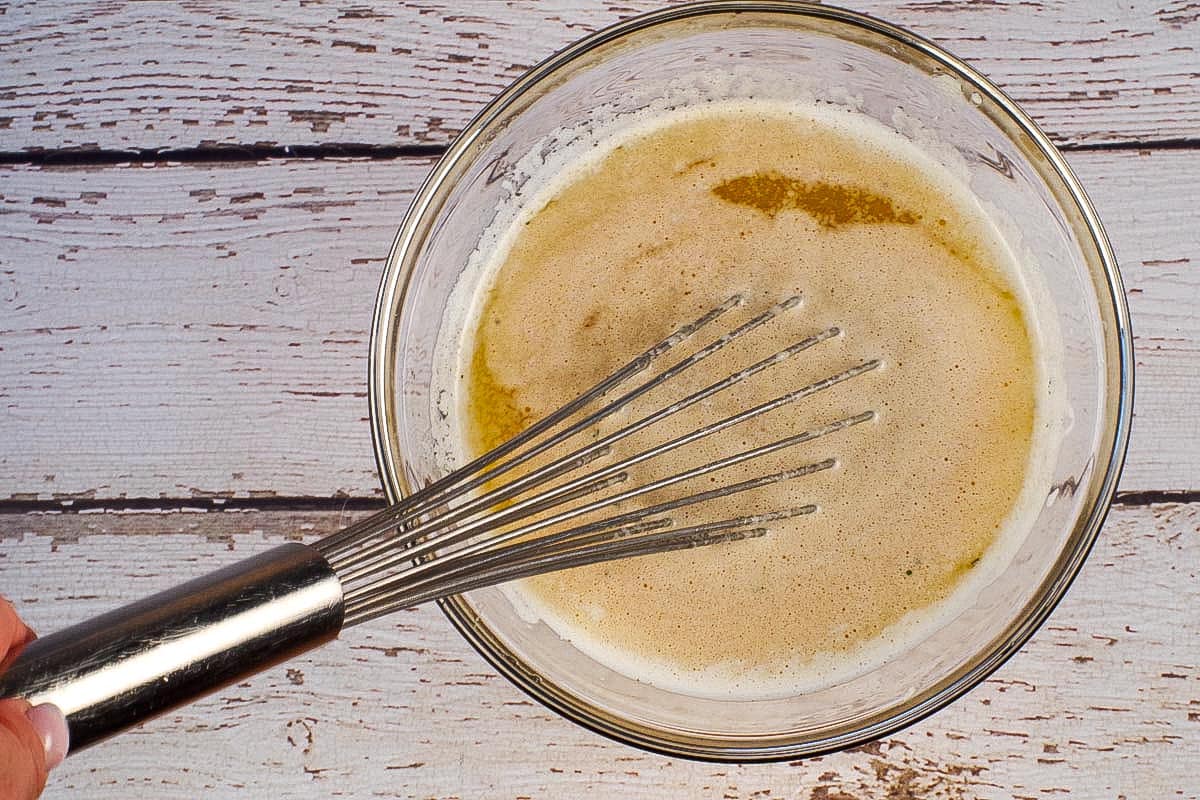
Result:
381,372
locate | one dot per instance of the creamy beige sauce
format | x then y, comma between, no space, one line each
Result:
672,222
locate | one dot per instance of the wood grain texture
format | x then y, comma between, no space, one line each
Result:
164,75
241,296
199,330
1103,702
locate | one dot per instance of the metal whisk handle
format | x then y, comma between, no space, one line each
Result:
117,670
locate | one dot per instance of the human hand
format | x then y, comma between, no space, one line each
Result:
33,740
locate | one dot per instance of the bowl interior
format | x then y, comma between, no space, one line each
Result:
806,54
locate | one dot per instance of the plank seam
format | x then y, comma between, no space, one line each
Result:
1154,497
73,157
1132,144
167,504
14,506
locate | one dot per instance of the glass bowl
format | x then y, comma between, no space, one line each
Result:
815,54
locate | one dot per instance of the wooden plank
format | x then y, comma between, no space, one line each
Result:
176,76
1103,702
240,296
202,330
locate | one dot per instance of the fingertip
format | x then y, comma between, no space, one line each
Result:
51,727
29,636
14,634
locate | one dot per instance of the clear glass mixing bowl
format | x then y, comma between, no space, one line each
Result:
786,51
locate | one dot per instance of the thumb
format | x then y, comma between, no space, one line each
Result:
33,740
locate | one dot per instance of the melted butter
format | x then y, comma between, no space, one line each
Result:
675,222
494,409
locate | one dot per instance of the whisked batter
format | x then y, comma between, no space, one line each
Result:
669,218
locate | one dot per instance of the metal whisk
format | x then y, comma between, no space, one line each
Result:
523,509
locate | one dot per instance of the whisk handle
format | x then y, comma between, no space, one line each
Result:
114,671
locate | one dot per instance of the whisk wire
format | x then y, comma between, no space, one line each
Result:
542,474
439,491
469,529
469,479
480,554
475,549
384,558
587,553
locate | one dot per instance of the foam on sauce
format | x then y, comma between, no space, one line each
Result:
668,218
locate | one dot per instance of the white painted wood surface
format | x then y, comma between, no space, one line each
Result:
198,330
180,75
190,331
1104,702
